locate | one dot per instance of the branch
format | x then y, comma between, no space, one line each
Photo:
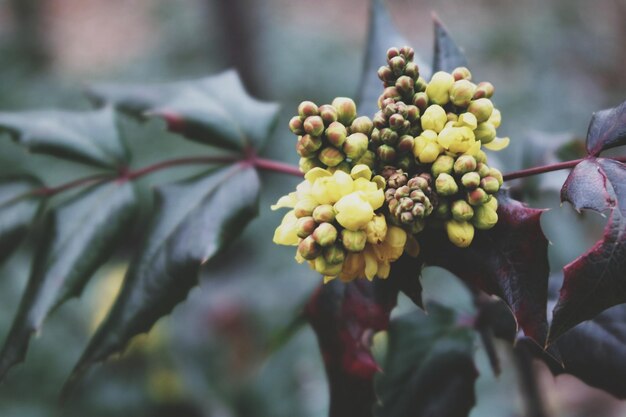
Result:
548,168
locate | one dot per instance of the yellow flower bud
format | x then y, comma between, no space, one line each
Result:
462,92
467,120
430,153
492,203
434,118
361,171
336,134
484,217
324,213
368,159
495,118
460,234
485,132
307,164
286,233
353,212
331,156
446,185
334,254
443,164
481,108
346,110
305,206
326,191
353,241
376,229
438,89
344,181
325,234
355,145
462,211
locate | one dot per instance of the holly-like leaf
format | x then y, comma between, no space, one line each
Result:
429,367
595,280
18,207
90,137
510,261
607,129
405,277
214,110
447,55
345,317
194,221
79,237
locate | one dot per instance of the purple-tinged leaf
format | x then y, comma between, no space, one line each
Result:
607,129
595,280
448,55
510,261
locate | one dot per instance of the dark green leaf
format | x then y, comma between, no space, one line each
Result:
193,222
214,110
607,129
18,207
429,367
448,55
90,137
79,236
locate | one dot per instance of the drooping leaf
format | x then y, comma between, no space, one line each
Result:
79,236
193,222
214,110
510,261
429,367
595,280
405,277
607,129
18,207
447,55
90,137
345,317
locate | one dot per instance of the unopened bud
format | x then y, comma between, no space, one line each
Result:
442,165
305,207
481,108
314,125
324,213
467,120
481,156
492,203
490,185
484,89
405,85
310,143
446,185
412,113
482,169
363,125
368,159
343,166
407,52
485,132
462,73
496,118
397,64
346,110
389,93
307,164
405,144
325,268
328,114
331,156
442,211
334,255
412,70
438,89
484,217
460,233
325,234
396,121
464,163
307,108
336,134
420,100
434,118
353,241
420,85
376,229
295,125
391,52
305,226
309,249
462,211
430,153
470,180
385,74
462,92
388,136
386,153
355,145
493,172
477,197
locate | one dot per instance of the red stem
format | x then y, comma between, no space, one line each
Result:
131,175
548,168
271,165
50,191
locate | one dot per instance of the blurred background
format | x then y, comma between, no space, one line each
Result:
220,354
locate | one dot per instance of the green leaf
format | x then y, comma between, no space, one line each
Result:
79,236
429,367
193,222
214,110
448,55
90,137
18,208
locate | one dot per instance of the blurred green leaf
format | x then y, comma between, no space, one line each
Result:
214,110
79,236
194,220
89,137
448,55
429,367
18,207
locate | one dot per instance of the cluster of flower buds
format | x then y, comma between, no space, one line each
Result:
332,136
400,76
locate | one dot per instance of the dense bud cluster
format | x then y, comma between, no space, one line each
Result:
373,185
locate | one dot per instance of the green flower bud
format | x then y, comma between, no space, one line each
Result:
397,64
481,156
482,169
493,172
461,211
420,100
325,234
325,268
336,134
307,108
461,73
363,125
485,132
434,118
334,255
464,163
388,136
386,154
355,145
368,159
477,197
412,70
490,185
305,226
470,180
492,204
484,217
446,185
405,85
331,156
302,151
310,143
484,89
314,125
307,164
324,213
438,89
420,84
295,125
460,233
328,114
346,110
385,74
353,241
462,92
309,249
442,165
442,211
481,108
